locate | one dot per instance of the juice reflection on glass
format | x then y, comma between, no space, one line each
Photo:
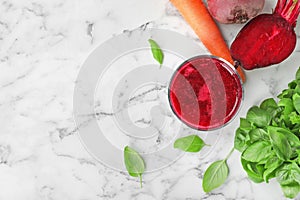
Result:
205,92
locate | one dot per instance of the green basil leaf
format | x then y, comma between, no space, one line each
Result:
286,93
287,104
215,175
296,102
258,151
258,134
253,170
297,89
270,106
291,190
296,172
267,103
298,156
296,130
288,174
240,140
134,163
272,164
192,143
280,144
292,84
292,138
258,116
298,74
294,118
156,51
245,125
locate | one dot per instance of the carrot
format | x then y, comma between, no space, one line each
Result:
197,16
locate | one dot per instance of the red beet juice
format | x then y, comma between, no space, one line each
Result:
205,92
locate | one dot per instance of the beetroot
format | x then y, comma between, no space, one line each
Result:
268,38
234,11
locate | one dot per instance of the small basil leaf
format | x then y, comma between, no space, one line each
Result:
191,143
294,118
258,116
271,165
245,125
258,151
286,93
296,102
288,174
293,84
280,144
298,74
134,163
298,156
267,103
156,51
287,104
240,140
297,89
258,134
292,138
291,190
253,170
215,175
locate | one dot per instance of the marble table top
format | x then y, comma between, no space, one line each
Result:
43,46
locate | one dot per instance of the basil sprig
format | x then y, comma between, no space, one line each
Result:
191,143
268,139
216,174
157,53
134,163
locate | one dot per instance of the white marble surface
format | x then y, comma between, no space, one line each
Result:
42,46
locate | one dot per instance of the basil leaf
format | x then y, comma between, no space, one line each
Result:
191,143
294,118
298,74
292,138
297,89
134,163
253,170
258,134
292,85
291,190
280,144
215,175
258,116
245,125
287,104
286,93
268,103
296,102
272,164
298,156
288,174
156,51
258,151
240,140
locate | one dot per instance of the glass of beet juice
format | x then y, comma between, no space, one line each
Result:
205,92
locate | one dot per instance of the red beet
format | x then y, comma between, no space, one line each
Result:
234,11
268,38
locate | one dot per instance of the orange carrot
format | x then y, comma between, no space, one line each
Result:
197,16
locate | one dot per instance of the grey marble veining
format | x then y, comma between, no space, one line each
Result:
42,47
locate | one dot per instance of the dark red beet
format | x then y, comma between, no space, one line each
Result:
268,38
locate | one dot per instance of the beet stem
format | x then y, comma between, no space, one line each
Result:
289,10
280,5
